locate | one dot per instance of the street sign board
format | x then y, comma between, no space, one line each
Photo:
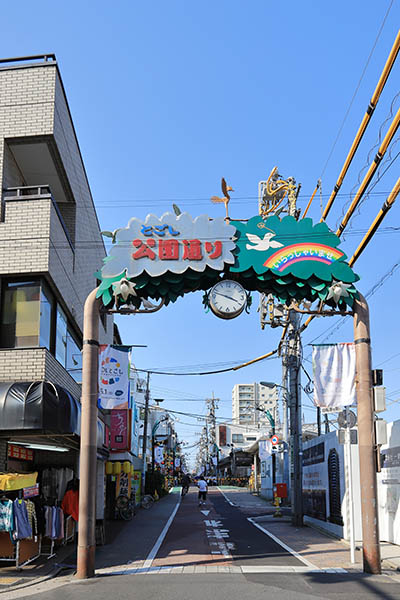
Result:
274,440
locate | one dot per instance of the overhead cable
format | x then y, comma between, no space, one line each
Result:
367,117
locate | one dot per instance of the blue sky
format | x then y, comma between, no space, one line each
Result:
168,97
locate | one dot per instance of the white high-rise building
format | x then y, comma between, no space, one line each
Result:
247,398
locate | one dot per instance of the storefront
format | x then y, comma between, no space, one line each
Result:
40,422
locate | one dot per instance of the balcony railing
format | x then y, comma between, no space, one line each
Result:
20,61
33,192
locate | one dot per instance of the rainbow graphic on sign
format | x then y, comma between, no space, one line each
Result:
288,256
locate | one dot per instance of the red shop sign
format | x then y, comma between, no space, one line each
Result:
120,429
19,452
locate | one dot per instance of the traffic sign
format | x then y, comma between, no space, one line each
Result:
274,440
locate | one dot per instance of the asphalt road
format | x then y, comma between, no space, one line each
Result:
215,537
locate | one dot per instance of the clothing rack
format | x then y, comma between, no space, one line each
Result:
22,552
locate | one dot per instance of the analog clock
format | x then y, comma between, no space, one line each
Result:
227,299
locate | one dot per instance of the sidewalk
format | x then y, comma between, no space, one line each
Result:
119,553
311,544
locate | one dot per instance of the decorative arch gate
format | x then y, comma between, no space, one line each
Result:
163,258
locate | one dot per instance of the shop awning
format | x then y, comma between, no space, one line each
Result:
39,407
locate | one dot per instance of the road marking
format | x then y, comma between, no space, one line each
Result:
213,523
205,512
153,552
285,546
226,497
245,570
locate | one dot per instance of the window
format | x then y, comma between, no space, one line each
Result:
31,318
237,438
74,357
68,352
61,336
26,315
251,439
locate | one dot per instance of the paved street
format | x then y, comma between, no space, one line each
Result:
213,551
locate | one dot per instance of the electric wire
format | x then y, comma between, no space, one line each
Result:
356,91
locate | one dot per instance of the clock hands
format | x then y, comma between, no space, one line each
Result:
226,296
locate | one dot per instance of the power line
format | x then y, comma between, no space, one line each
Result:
356,91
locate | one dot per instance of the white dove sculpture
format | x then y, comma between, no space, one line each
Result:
262,244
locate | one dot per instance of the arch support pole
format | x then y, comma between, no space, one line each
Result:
88,449
366,439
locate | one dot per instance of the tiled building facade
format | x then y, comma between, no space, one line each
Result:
50,241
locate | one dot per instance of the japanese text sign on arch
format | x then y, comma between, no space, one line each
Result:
113,377
170,243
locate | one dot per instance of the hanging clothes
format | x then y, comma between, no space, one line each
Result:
22,527
40,514
6,515
31,510
61,522
48,521
70,504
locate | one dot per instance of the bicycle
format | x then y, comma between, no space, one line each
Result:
126,507
147,501
184,491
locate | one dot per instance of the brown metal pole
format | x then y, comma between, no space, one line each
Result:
366,439
88,453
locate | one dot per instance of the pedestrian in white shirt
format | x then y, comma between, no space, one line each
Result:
203,487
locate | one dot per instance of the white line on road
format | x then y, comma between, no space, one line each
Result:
285,546
226,497
153,552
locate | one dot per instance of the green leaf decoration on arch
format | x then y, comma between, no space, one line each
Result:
292,259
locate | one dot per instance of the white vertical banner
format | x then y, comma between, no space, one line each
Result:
334,368
264,449
158,454
113,377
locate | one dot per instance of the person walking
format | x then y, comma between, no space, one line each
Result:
203,487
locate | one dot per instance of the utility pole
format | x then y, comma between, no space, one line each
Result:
271,194
366,439
294,363
212,404
145,421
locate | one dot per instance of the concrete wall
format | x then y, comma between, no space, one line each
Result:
389,486
316,487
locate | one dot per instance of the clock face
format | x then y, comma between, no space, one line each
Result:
227,299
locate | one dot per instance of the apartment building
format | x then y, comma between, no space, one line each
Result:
50,248
250,401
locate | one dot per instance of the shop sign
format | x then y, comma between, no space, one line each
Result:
222,435
113,377
120,430
124,483
31,491
136,483
170,243
20,452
